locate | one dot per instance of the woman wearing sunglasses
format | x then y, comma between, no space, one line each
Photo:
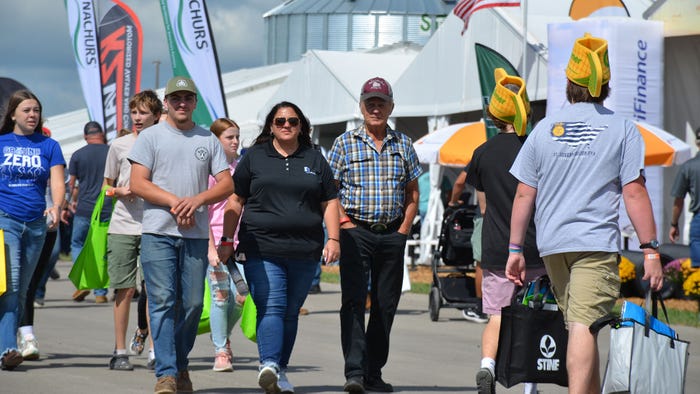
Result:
287,189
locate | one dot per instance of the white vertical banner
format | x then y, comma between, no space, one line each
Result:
635,52
193,55
82,25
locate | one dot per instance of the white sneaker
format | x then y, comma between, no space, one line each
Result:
474,316
283,383
29,348
268,378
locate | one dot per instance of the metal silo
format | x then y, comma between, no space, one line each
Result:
296,26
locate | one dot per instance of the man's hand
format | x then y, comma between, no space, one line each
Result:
673,234
515,268
184,210
653,272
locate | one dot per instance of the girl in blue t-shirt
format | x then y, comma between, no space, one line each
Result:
29,160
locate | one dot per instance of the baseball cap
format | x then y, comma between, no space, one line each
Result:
92,127
180,84
377,87
589,64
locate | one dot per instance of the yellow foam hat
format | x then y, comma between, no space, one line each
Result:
508,106
589,65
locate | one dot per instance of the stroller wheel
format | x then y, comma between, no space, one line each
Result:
434,303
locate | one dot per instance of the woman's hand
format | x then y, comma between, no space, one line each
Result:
331,252
224,252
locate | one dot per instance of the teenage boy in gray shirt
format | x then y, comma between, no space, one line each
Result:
171,164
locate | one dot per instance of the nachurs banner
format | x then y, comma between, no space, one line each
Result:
193,54
120,60
82,25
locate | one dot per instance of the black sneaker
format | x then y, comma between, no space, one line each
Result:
354,384
315,289
378,385
120,362
473,315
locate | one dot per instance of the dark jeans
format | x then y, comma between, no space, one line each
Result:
42,265
381,256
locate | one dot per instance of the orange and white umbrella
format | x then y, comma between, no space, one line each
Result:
451,146
662,148
454,145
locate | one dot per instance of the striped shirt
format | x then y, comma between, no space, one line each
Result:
373,183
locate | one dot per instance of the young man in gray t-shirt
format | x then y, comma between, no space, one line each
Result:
171,163
574,168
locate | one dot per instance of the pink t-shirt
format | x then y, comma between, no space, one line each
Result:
216,213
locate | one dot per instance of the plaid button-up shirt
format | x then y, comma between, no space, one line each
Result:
372,182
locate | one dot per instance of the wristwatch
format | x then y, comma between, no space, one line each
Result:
653,244
226,239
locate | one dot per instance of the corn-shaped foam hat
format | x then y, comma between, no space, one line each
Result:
589,65
507,105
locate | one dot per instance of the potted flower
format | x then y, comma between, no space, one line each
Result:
691,287
674,273
627,276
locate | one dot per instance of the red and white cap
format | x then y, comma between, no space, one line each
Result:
377,87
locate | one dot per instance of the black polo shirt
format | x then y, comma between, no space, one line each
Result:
282,216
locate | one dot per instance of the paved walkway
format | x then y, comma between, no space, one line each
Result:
76,341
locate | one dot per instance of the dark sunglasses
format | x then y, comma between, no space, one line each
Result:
279,122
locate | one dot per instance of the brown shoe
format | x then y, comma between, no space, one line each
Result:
80,295
100,299
165,385
184,384
10,360
303,311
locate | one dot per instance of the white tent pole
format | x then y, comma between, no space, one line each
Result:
524,9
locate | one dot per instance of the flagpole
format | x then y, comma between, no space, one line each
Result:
524,69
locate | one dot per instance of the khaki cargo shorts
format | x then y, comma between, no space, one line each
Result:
586,284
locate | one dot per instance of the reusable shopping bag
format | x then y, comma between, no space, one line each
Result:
533,338
3,264
249,316
90,268
645,353
204,326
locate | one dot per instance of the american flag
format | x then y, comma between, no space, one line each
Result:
465,8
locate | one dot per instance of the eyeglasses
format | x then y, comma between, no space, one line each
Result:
279,122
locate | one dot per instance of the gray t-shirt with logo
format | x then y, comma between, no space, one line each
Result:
180,162
578,160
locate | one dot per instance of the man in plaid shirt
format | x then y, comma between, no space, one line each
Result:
376,169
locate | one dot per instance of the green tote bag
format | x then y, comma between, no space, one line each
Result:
90,268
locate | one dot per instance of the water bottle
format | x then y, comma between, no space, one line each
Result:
241,286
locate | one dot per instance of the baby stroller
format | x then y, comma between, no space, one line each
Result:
453,266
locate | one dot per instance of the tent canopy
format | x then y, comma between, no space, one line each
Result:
326,84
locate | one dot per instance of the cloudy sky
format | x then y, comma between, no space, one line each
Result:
35,48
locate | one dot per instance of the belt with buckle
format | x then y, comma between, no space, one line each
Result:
379,227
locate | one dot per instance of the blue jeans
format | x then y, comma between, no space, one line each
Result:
278,287
23,243
174,269
695,241
81,225
224,311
